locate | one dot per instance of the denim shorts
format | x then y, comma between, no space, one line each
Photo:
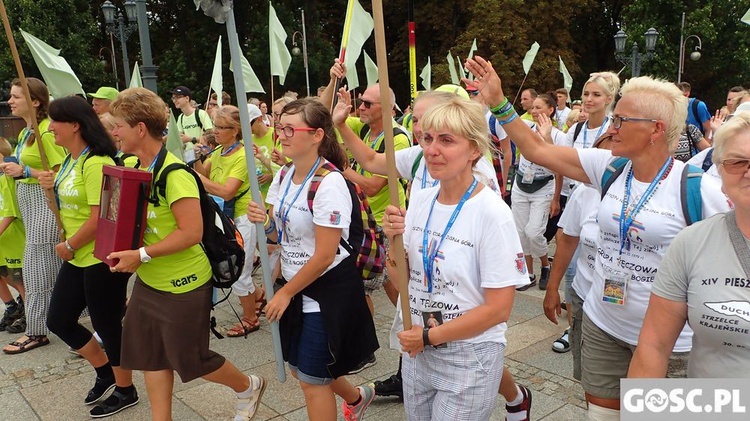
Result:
309,355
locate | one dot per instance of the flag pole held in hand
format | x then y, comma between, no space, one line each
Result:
48,193
397,245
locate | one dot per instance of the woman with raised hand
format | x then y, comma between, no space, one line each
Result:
536,192
686,289
225,175
40,262
464,260
326,327
166,327
639,216
85,281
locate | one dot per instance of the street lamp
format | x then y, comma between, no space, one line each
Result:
636,58
114,63
121,29
296,50
695,55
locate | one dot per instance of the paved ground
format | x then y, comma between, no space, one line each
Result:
50,384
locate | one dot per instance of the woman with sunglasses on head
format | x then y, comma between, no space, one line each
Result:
84,281
225,175
326,327
465,261
40,263
639,216
686,287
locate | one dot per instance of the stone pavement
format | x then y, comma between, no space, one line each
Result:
49,383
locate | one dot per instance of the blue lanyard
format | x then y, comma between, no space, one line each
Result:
284,215
230,149
429,256
22,144
375,142
626,218
585,129
62,175
424,177
153,164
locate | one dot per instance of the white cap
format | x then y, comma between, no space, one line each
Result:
253,112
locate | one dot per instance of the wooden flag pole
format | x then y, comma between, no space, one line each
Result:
396,247
520,88
342,51
49,194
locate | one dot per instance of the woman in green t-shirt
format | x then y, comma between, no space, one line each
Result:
85,281
40,263
166,325
225,175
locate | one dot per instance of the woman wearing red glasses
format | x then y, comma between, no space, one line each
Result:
641,212
326,327
686,290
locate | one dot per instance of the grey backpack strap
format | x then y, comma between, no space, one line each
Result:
738,242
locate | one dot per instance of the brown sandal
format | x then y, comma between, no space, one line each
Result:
31,342
243,328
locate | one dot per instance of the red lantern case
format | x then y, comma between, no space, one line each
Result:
122,211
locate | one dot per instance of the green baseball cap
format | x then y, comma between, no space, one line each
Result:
105,92
454,89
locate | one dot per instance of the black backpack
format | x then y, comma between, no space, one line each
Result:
221,241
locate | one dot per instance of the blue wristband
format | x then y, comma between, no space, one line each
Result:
27,172
271,227
512,117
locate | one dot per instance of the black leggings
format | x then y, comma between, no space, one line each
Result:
95,287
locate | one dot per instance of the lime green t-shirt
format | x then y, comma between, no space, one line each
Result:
266,146
232,166
29,155
187,269
13,239
78,187
381,199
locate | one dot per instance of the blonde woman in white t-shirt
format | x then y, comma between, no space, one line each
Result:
465,261
639,216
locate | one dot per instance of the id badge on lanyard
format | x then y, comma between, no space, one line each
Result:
528,177
616,281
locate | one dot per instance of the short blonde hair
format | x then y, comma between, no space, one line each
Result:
609,82
230,115
107,121
731,129
572,117
461,117
139,105
660,100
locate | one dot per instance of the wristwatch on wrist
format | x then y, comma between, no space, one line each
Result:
426,336
145,258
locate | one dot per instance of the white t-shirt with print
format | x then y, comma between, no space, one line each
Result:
562,116
579,220
481,250
525,166
484,171
653,229
332,208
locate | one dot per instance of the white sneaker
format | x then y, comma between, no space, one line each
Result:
357,412
247,407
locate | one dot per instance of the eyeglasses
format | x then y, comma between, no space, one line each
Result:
289,131
213,104
223,127
736,165
178,96
368,104
618,120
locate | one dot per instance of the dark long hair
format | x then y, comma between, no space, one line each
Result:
74,109
316,115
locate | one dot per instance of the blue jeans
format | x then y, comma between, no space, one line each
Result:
309,355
